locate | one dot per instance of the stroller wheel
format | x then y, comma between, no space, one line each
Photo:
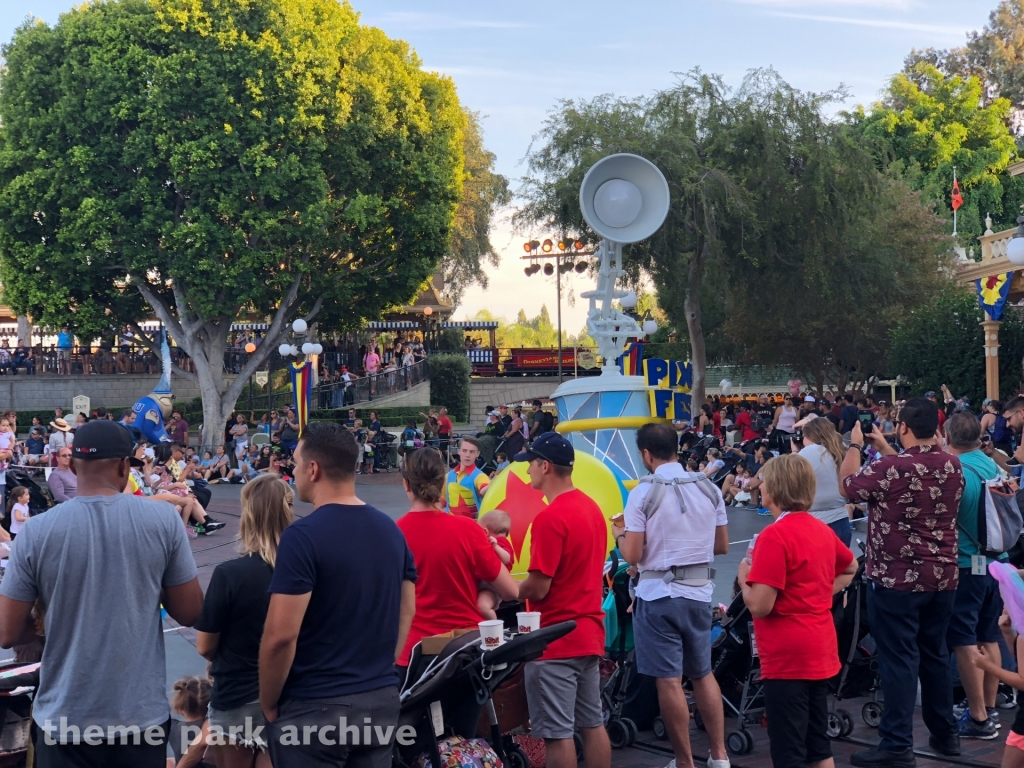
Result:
659,728
846,723
872,714
577,741
618,734
633,730
739,742
517,758
834,727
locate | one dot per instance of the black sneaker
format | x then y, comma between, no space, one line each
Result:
881,758
972,729
212,525
949,746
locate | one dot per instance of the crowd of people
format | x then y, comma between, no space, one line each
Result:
291,642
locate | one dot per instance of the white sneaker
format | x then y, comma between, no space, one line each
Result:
671,765
712,763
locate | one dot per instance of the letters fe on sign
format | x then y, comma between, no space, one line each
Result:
672,381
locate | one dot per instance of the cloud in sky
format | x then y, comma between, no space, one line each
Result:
889,5
932,29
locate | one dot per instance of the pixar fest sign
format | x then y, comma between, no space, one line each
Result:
672,381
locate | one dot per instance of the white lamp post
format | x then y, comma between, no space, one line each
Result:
1015,248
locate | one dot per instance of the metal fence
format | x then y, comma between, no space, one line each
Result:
364,389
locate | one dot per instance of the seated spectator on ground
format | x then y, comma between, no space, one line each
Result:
451,552
62,482
35,447
189,740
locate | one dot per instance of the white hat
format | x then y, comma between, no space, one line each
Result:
810,399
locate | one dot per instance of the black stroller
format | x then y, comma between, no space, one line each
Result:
859,674
445,694
18,683
40,500
619,664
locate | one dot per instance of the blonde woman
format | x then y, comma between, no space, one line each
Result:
823,448
231,625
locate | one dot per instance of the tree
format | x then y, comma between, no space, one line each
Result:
941,342
683,130
198,159
536,333
928,123
482,192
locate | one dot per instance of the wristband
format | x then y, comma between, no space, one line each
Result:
858,447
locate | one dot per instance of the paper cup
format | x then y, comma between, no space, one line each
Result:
528,621
492,634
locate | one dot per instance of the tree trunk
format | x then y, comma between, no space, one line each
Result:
691,307
24,329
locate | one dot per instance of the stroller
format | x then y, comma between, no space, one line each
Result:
736,668
386,450
618,665
858,676
18,683
40,500
445,694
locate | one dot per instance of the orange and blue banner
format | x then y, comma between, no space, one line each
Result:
631,361
992,293
302,387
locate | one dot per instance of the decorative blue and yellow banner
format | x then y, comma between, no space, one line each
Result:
630,361
302,387
673,381
992,293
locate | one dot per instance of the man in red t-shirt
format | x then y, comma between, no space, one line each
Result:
798,565
569,541
744,424
444,431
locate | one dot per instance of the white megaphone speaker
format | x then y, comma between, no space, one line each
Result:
624,198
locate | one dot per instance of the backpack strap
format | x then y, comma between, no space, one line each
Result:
658,485
980,511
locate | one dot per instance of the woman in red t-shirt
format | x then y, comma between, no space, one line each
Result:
453,555
798,565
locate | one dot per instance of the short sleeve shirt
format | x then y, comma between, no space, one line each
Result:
743,421
977,467
569,544
98,563
452,556
675,537
801,557
351,560
912,499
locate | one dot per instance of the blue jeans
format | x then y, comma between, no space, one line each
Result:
910,631
843,529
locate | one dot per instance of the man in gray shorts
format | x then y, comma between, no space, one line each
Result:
568,544
675,523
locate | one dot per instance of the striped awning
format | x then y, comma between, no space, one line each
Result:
481,356
471,325
391,325
249,326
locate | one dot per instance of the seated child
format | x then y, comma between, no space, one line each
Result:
498,525
735,486
502,461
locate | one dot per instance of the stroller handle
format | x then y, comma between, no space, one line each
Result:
527,647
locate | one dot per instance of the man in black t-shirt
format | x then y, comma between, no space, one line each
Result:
762,415
335,624
847,415
506,418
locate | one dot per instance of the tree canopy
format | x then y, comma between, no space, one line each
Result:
929,123
781,231
538,331
206,158
942,342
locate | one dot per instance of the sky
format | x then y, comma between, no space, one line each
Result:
514,61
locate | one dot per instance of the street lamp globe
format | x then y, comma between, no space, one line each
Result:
650,327
284,350
628,301
1015,250
307,348
250,347
318,348
299,326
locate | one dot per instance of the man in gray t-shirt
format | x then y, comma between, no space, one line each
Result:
99,566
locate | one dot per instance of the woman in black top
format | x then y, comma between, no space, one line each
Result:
231,625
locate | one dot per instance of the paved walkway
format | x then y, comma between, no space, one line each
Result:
386,493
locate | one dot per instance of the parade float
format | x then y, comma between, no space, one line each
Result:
624,199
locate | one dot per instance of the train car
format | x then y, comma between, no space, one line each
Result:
543,362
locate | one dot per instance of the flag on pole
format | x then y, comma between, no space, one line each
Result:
631,361
302,383
958,199
992,293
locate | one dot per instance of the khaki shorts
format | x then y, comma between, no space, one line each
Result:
563,695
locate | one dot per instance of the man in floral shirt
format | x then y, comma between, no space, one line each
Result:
913,498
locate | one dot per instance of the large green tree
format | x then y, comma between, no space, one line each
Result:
199,159
684,130
942,342
929,123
